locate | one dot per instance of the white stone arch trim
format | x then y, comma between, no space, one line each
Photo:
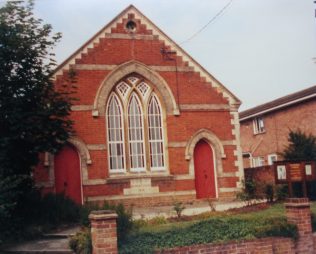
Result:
213,141
127,68
84,155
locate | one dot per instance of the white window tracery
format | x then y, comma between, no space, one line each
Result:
155,134
133,108
135,134
115,135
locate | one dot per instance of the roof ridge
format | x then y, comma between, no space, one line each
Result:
287,99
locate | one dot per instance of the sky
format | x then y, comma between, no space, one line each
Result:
260,50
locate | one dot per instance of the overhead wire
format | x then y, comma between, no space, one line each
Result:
212,20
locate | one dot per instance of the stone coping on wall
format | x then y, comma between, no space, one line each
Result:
102,215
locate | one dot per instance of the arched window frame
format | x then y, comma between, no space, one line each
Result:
141,157
161,140
113,96
144,99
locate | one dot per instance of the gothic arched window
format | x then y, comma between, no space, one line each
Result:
135,128
115,134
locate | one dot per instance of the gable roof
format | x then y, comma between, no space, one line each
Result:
279,103
233,100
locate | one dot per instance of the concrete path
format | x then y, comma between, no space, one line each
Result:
59,245
53,243
196,208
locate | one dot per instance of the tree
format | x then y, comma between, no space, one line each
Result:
34,116
301,147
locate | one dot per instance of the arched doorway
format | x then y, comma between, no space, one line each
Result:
204,170
67,173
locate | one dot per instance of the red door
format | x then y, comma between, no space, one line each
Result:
204,170
67,173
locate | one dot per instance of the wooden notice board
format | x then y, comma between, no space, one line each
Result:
287,172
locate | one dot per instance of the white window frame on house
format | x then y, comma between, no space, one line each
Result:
257,161
142,128
258,125
271,158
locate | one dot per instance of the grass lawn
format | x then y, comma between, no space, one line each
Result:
209,227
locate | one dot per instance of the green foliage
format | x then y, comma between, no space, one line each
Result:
38,214
33,116
269,192
211,230
178,207
80,243
124,219
85,211
58,209
301,147
281,192
249,192
158,220
313,218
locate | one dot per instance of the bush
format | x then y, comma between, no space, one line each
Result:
85,210
281,192
313,219
37,214
269,192
81,243
178,207
158,220
207,231
124,219
249,192
57,209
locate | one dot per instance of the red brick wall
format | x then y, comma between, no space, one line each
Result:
277,126
265,174
192,90
277,245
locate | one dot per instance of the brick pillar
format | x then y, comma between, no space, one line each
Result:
298,212
103,232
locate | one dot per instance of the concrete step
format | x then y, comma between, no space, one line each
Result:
62,233
51,246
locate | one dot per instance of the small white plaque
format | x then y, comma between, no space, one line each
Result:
281,172
308,170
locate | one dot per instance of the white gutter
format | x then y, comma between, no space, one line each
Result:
278,107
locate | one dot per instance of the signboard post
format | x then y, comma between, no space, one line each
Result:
287,172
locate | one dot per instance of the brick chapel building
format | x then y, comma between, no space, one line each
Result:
265,128
151,125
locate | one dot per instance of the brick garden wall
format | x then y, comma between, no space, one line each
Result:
297,211
276,245
264,174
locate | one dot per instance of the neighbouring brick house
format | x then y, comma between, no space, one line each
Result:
152,126
264,129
